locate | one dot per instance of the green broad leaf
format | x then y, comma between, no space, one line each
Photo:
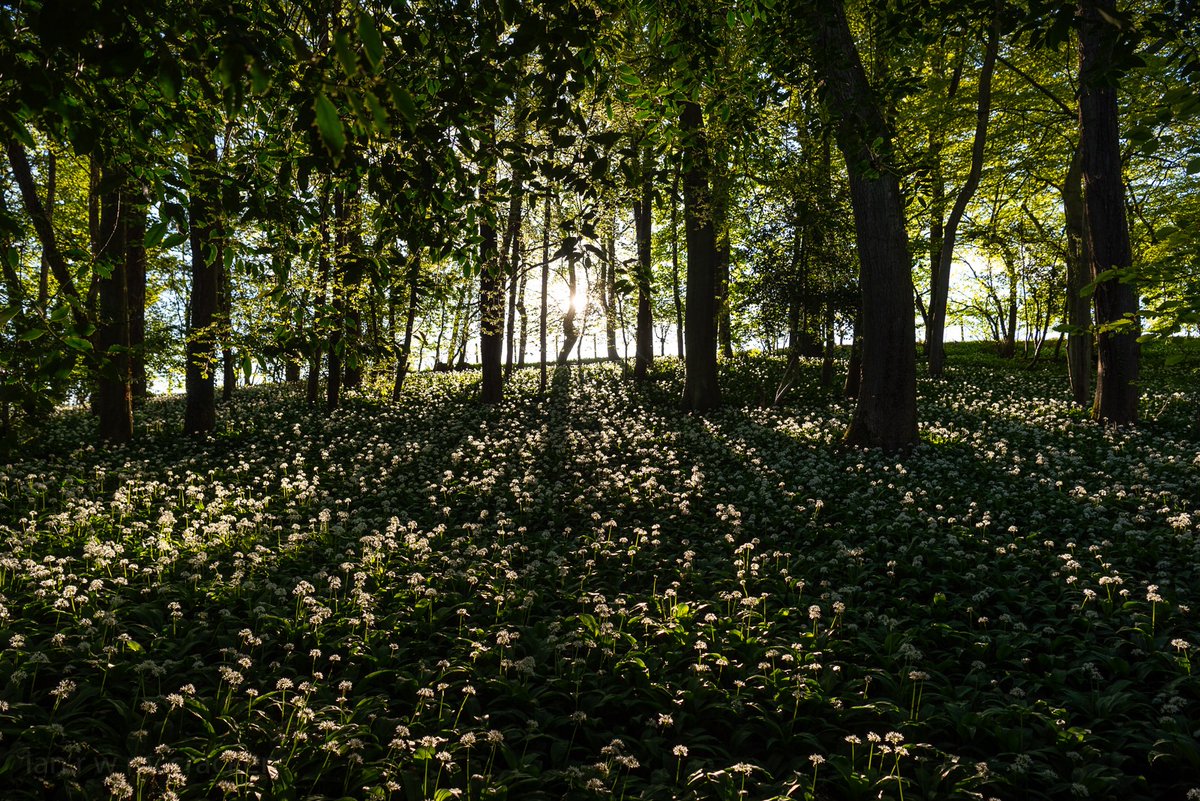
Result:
260,79
31,334
169,78
1174,359
7,314
372,44
155,233
378,113
345,54
1193,166
731,19
247,366
174,240
60,314
78,343
628,76
333,134
404,103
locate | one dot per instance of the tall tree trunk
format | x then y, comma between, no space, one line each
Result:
886,413
200,414
853,383
1107,227
51,192
827,360
320,316
491,294
337,339
1079,307
701,390
720,213
225,320
523,319
643,216
114,399
512,274
414,275
940,289
609,292
135,278
570,332
545,293
675,288
350,268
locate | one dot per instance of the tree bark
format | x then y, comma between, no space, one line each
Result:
720,212
609,292
854,365
51,191
135,277
570,332
545,292
224,320
701,389
940,288
1079,307
1116,301
886,413
677,292
491,297
114,399
337,338
643,216
414,275
200,415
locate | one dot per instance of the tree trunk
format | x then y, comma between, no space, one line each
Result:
678,294
224,321
701,390
135,278
323,274
854,366
609,291
523,319
51,192
827,360
414,275
491,293
114,399
570,332
886,414
545,291
337,339
200,416
1079,306
1107,227
940,288
643,217
720,213
512,271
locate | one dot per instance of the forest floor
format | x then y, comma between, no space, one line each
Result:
593,594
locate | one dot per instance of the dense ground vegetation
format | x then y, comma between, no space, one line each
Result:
589,593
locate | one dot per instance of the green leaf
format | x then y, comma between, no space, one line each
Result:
345,54
1193,166
7,314
155,233
31,334
60,314
330,125
78,343
174,240
628,76
404,103
372,44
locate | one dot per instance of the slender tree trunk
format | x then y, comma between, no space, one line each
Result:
414,275
886,414
114,399
940,289
224,321
545,292
512,273
853,383
678,294
1079,306
337,337
720,212
523,319
609,291
51,192
570,332
827,360
643,217
135,277
200,415
701,390
491,294
319,317
1107,227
